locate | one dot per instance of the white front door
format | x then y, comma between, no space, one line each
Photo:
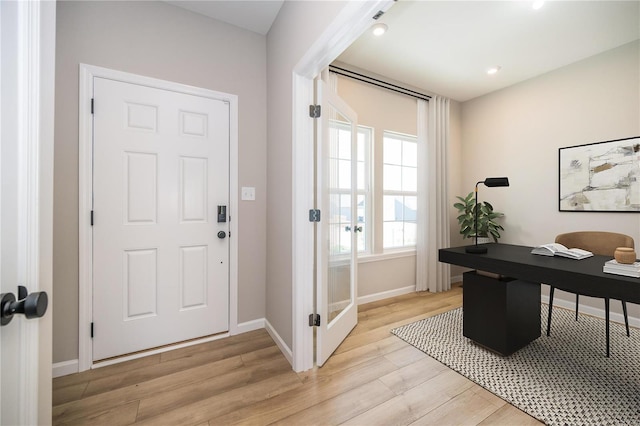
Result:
27,54
160,218
338,228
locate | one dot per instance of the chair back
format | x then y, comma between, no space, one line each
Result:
597,242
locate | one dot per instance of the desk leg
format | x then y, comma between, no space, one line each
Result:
606,314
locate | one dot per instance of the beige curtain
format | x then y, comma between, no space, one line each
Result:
433,195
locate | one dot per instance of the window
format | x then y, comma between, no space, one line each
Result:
400,190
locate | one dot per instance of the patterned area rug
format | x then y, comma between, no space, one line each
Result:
564,379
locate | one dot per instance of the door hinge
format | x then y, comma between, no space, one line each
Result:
378,15
314,320
92,330
91,105
314,111
314,215
91,218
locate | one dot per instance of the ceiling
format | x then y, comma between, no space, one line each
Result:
445,47
252,15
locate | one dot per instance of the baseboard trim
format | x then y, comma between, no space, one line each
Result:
386,294
456,279
590,310
65,368
252,325
286,351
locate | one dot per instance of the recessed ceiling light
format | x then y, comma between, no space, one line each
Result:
494,70
379,29
537,4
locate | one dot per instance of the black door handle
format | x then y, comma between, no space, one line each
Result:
222,234
32,305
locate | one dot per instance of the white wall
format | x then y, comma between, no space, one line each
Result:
162,41
516,132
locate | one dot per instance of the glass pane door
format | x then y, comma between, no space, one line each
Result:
341,212
337,230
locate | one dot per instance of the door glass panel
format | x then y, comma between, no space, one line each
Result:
341,214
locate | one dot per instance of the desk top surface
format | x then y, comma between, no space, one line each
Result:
584,276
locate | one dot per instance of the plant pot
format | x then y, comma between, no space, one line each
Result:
481,240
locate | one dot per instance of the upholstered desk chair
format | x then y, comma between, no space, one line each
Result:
597,242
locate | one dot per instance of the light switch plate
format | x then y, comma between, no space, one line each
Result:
248,193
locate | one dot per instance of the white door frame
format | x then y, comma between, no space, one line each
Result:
85,308
30,75
353,20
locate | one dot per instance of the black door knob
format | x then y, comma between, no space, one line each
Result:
222,234
33,305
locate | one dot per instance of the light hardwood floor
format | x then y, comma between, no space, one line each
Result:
373,378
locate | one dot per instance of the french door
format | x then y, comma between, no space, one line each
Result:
336,289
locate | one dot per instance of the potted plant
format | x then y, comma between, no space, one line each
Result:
487,226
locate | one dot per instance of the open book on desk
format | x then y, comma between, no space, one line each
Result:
555,249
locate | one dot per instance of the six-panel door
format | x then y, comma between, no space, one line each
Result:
161,169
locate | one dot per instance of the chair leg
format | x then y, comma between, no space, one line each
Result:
626,318
577,300
550,309
606,314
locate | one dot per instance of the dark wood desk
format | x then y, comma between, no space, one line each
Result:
504,315
584,276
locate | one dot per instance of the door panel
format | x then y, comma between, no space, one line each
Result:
337,242
161,168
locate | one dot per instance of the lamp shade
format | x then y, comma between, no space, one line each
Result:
496,181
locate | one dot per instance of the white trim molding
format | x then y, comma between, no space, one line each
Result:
386,294
65,368
590,310
85,309
286,351
248,326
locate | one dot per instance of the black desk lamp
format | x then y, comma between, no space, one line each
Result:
491,182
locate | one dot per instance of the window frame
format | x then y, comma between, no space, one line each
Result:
403,138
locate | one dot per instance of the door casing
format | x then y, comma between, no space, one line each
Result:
85,308
27,116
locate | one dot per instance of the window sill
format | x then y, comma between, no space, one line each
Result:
366,258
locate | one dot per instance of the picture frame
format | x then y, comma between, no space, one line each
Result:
600,176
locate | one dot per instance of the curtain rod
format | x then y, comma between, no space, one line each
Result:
379,83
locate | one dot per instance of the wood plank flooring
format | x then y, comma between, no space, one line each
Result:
373,378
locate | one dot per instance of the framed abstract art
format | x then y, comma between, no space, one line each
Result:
600,177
